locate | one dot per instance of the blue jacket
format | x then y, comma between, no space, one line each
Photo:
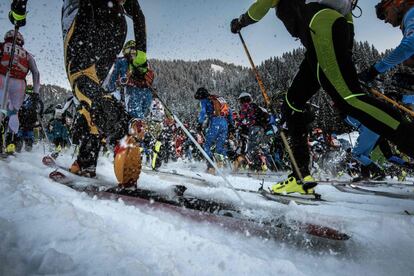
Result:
207,111
120,71
406,48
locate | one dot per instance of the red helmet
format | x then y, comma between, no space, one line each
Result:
9,36
384,4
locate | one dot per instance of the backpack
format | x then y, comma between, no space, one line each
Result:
220,106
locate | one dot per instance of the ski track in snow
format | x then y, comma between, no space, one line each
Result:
47,228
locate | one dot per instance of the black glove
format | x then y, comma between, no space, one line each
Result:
238,23
231,130
17,15
368,76
200,127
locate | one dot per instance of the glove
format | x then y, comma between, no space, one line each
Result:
17,14
231,130
235,26
368,76
238,23
200,127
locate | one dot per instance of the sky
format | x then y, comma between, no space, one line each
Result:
185,29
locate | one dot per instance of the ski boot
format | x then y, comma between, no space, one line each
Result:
89,171
376,172
292,185
127,161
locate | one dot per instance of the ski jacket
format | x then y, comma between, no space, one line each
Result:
252,115
23,62
403,51
295,14
208,111
122,75
31,108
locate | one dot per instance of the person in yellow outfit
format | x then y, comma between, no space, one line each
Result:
325,29
94,33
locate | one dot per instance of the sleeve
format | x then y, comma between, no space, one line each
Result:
133,10
260,8
230,117
114,76
403,51
35,74
203,112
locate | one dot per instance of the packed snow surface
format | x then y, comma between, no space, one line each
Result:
48,228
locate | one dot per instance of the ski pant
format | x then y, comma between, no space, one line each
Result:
94,33
328,64
256,136
16,93
365,143
139,101
216,134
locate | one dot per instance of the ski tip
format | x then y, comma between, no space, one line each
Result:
326,232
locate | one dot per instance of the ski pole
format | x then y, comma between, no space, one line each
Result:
189,135
396,104
6,84
391,101
268,104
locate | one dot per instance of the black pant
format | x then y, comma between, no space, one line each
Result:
328,64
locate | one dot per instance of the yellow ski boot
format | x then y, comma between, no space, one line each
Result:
292,185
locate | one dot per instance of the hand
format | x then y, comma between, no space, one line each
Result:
235,26
17,14
368,76
231,130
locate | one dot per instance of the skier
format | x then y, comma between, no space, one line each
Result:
220,122
253,120
325,28
137,82
58,132
23,62
399,13
94,33
29,115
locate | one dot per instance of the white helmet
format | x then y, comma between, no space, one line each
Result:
9,36
245,95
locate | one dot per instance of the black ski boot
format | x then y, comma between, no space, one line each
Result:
376,172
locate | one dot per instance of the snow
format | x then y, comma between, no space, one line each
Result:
217,68
48,228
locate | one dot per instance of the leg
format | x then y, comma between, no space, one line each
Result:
339,78
303,87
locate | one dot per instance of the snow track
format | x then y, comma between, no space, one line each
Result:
47,228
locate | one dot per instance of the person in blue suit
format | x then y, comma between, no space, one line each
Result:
220,122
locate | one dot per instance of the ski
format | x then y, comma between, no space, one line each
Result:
352,188
314,199
226,215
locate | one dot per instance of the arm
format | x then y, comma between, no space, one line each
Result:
35,74
133,10
203,112
404,51
254,14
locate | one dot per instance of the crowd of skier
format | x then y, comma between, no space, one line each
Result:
120,108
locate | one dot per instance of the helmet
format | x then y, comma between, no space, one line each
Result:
384,4
29,89
245,97
9,36
201,93
129,47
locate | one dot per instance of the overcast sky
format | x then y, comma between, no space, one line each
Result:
185,29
